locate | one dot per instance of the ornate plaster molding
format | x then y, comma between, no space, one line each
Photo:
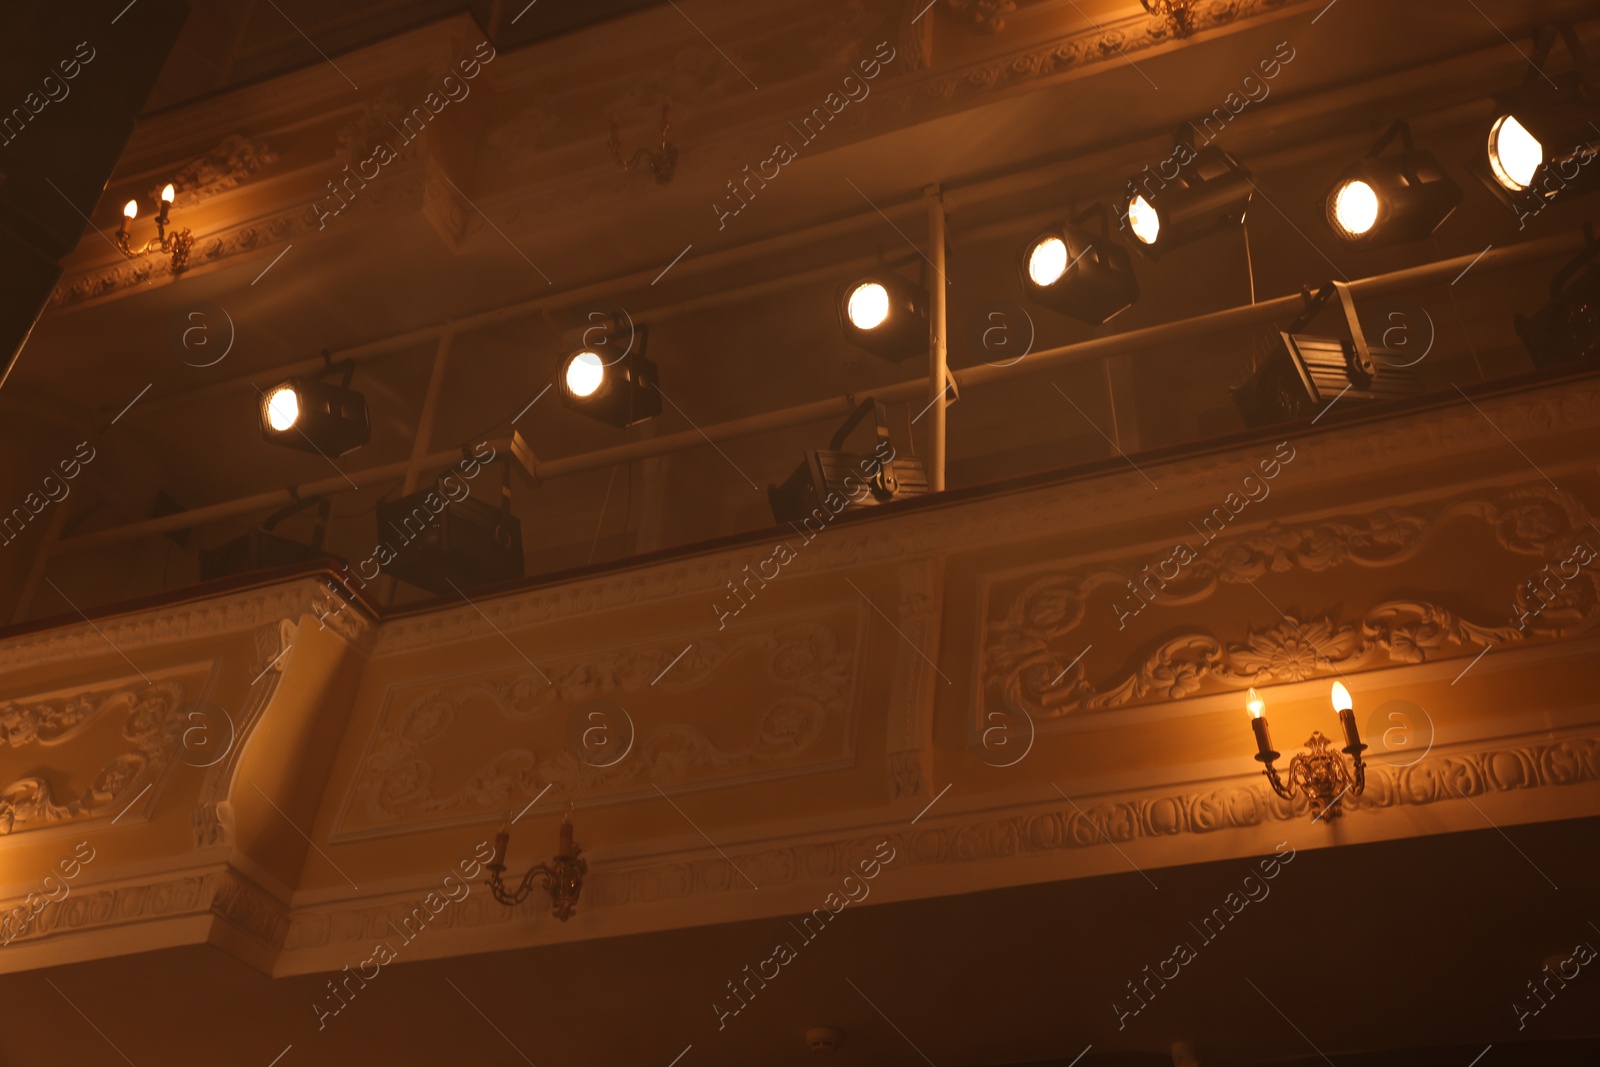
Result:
916,678
217,616
233,161
250,909
150,727
1094,43
811,671
223,892
212,816
1028,644
1237,805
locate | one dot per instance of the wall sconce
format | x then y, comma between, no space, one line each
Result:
1178,13
175,245
1320,775
562,878
663,161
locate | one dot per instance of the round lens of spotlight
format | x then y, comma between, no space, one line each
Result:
1355,208
1143,219
1514,154
1047,262
868,306
585,372
283,408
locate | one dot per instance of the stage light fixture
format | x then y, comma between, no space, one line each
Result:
886,315
1545,135
1303,374
831,481
445,539
608,377
1567,329
312,415
263,548
1391,199
1209,191
1081,274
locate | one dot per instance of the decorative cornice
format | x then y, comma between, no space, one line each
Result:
217,616
990,838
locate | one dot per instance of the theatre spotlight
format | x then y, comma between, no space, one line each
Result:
608,377
1080,274
1567,330
1208,192
263,548
1546,132
316,416
443,538
1391,199
886,315
1302,375
828,482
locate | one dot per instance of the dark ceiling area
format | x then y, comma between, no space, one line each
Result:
230,42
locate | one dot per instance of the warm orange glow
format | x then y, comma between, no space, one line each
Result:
131,208
1341,698
1257,706
168,192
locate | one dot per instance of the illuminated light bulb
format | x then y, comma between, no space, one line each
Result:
168,192
585,372
1355,208
1257,706
1514,154
130,209
1047,262
1341,698
1143,219
283,408
869,306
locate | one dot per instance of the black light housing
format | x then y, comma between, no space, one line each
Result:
610,379
1391,199
1546,132
1210,193
886,315
263,548
445,539
1303,374
312,415
1082,275
1567,329
830,481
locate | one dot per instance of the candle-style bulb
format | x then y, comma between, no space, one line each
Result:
1257,706
130,209
168,192
1341,698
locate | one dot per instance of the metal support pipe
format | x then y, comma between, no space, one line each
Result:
1268,310
938,354
430,411
836,407
766,247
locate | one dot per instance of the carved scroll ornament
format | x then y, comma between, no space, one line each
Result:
812,677
151,727
1027,655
